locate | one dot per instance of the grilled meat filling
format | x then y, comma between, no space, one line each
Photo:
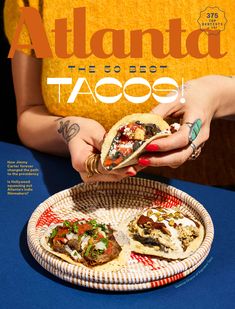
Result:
149,241
95,258
89,242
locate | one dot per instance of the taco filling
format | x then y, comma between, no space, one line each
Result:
127,140
165,232
86,242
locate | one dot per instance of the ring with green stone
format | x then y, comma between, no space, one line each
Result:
195,128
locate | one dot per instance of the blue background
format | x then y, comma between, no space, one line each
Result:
25,284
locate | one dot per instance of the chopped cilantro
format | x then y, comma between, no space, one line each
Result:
66,223
94,254
102,226
93,223
75,227
105,241
54,232
88,249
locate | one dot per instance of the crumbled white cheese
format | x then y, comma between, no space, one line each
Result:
101,232
71,236
76,256
100,246
68,249
113,150
176,126
128,145
84,241
166,131
73,253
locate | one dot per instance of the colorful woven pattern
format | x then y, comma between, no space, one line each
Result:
117,204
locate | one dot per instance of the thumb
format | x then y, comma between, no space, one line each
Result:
79,152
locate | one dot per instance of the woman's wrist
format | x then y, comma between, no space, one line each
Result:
68,128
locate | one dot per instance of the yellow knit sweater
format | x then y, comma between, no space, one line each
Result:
127,15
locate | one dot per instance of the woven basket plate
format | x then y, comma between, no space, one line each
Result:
116,287
116,203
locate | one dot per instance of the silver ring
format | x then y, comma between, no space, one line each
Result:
196,151
189,124
193,146
194,129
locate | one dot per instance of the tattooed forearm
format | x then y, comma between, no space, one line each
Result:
68,130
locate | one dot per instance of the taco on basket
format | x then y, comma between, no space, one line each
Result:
127,139
166,233
87,243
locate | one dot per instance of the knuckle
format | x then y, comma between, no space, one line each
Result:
77,165
177,162
156,162
206,134
84,178
180,161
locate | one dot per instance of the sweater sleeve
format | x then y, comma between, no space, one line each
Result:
12,11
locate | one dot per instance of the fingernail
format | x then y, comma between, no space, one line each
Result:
152,147
130,173
144,161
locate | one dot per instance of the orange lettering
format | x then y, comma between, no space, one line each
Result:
80,33
192,44
61,38
137,44
31,18
214,45
175,38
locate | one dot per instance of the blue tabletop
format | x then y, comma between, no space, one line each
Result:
25,284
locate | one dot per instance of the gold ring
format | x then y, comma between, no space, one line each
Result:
91,164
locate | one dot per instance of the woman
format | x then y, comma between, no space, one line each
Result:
53,125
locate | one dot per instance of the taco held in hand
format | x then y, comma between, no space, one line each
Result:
128,138
166,233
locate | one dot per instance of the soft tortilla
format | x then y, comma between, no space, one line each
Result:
145,118
114,265
138,247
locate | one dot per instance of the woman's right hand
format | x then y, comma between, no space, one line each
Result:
85,137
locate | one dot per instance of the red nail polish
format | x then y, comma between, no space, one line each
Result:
144,161
130,173
152,147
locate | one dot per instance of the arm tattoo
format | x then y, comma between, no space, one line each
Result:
68,130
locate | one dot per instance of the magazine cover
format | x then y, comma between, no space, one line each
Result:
117,153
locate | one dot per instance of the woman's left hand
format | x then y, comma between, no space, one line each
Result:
203,98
